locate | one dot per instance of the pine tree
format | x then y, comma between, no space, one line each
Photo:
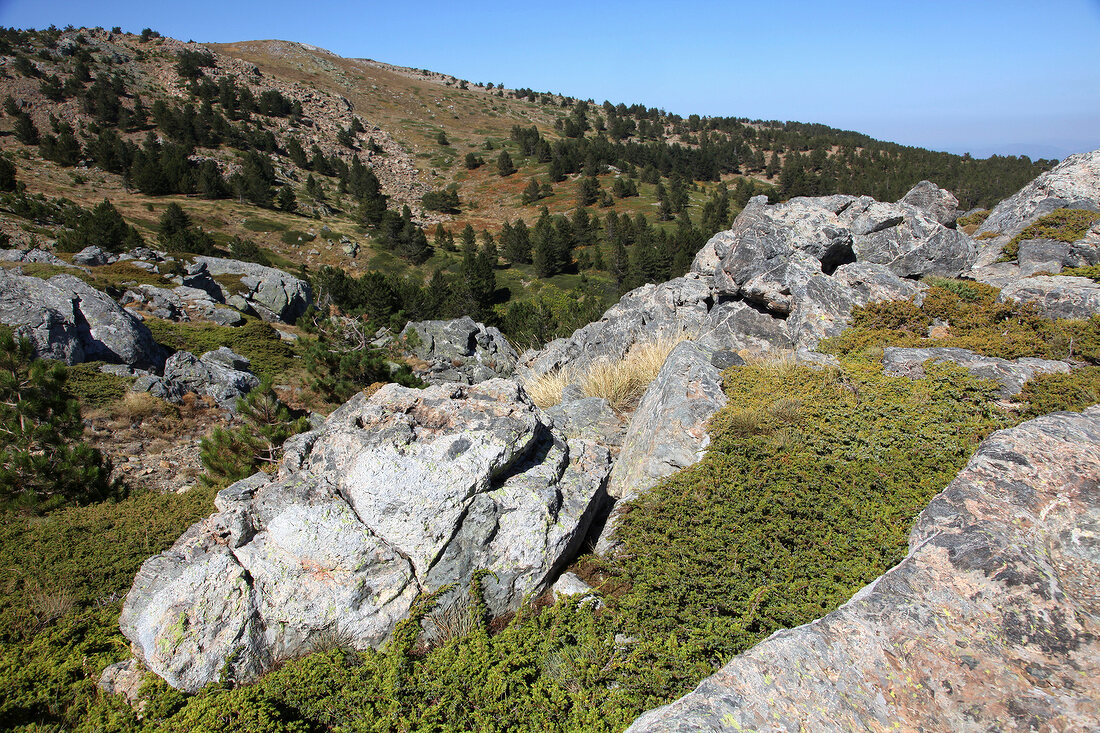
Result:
286,201
231,454
43,462
25,130
588,191
505,166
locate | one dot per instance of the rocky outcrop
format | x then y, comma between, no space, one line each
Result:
1072,184
183,303
71,321
590,418
668,430
221,375
1010,374
93,256
988,623
1054,295
400,492
459,350
272,294
645,314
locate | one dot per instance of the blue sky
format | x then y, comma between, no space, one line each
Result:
979,77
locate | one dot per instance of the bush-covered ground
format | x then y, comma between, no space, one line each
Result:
807,493
967,315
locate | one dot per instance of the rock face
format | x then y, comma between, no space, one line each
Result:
460,350
71,321
1072,184
988,623
647,313
1055,296
785,276
272,294
1011,375
401,492
668,431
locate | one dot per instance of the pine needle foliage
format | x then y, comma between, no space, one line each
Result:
43,461
231,454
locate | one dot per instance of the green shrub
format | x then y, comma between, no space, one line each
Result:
1063,225
294,237
1092,272
976,321
65,575
271,356
973,220
257,224
1047,393
765,534
44,463
231,454
95,388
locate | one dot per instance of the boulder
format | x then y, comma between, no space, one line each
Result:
32,255
273,294
69,320
398,493
1011,375
644,314
1055,296
938,203
987,624
668,430
907,240
459,350
94,256
220,374
736,325
1041,256
590,418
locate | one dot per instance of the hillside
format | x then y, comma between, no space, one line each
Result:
342,396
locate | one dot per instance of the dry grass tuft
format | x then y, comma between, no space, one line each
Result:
545,391
622,383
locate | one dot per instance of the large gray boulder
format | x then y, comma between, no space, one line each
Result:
1010,374
71,321
222,375
459,350
1072,184
1055,296
396,494
907,240
273,294
668,430
645,314
938,203
989,623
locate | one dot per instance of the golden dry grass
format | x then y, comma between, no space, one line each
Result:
621,382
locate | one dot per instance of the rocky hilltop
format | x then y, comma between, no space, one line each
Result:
990,616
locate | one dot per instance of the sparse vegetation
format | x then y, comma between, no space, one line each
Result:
1061,225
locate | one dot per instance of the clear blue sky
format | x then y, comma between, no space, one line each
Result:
979,77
